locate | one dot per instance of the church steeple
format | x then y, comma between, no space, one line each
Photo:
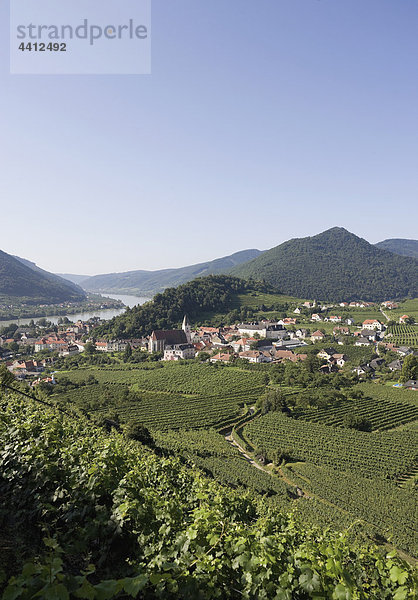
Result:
187,328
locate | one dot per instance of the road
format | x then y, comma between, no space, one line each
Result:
248,458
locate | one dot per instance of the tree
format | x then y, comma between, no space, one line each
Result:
282,455
127,355
14,346
90,348
409,368
274,401
139,433
43,322
109,420
352,421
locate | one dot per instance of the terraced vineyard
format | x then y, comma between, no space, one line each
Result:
171,397
386,455
384,407
403,335
389,509
180,378
112,519
209,451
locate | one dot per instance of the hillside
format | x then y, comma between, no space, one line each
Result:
400,246
24,281
148,283
88,514
55,278
334,265
201,299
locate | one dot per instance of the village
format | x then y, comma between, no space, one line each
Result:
30,350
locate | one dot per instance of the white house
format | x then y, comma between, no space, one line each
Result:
265,330
372,324
361,341
179,352
253,356
317,336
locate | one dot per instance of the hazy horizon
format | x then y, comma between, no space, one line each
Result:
211,258
259,123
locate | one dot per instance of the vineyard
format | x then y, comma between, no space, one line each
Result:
386,455
209,451
390,510
182,404
114,520
403,335
171,397
177,378
160,410
384,407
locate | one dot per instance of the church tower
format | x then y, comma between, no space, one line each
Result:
187,329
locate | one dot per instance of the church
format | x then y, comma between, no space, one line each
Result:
175,343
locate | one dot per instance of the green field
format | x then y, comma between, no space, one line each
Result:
184,378
255,299
169,396
408,307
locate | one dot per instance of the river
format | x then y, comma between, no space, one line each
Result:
105,314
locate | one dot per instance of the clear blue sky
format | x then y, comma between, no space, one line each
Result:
262,120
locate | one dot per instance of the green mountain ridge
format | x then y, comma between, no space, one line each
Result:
22,280
335,265
400,246
148,283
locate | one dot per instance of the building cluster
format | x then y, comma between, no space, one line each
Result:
258,342
264,341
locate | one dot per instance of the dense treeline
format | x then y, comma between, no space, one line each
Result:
100,517
166,311
334,265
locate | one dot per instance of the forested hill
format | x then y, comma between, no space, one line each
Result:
335,265
400,246
25,281
148,283
212,294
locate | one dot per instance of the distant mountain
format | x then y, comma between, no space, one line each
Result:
149,283
77,279
334,265
400,246
23,280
